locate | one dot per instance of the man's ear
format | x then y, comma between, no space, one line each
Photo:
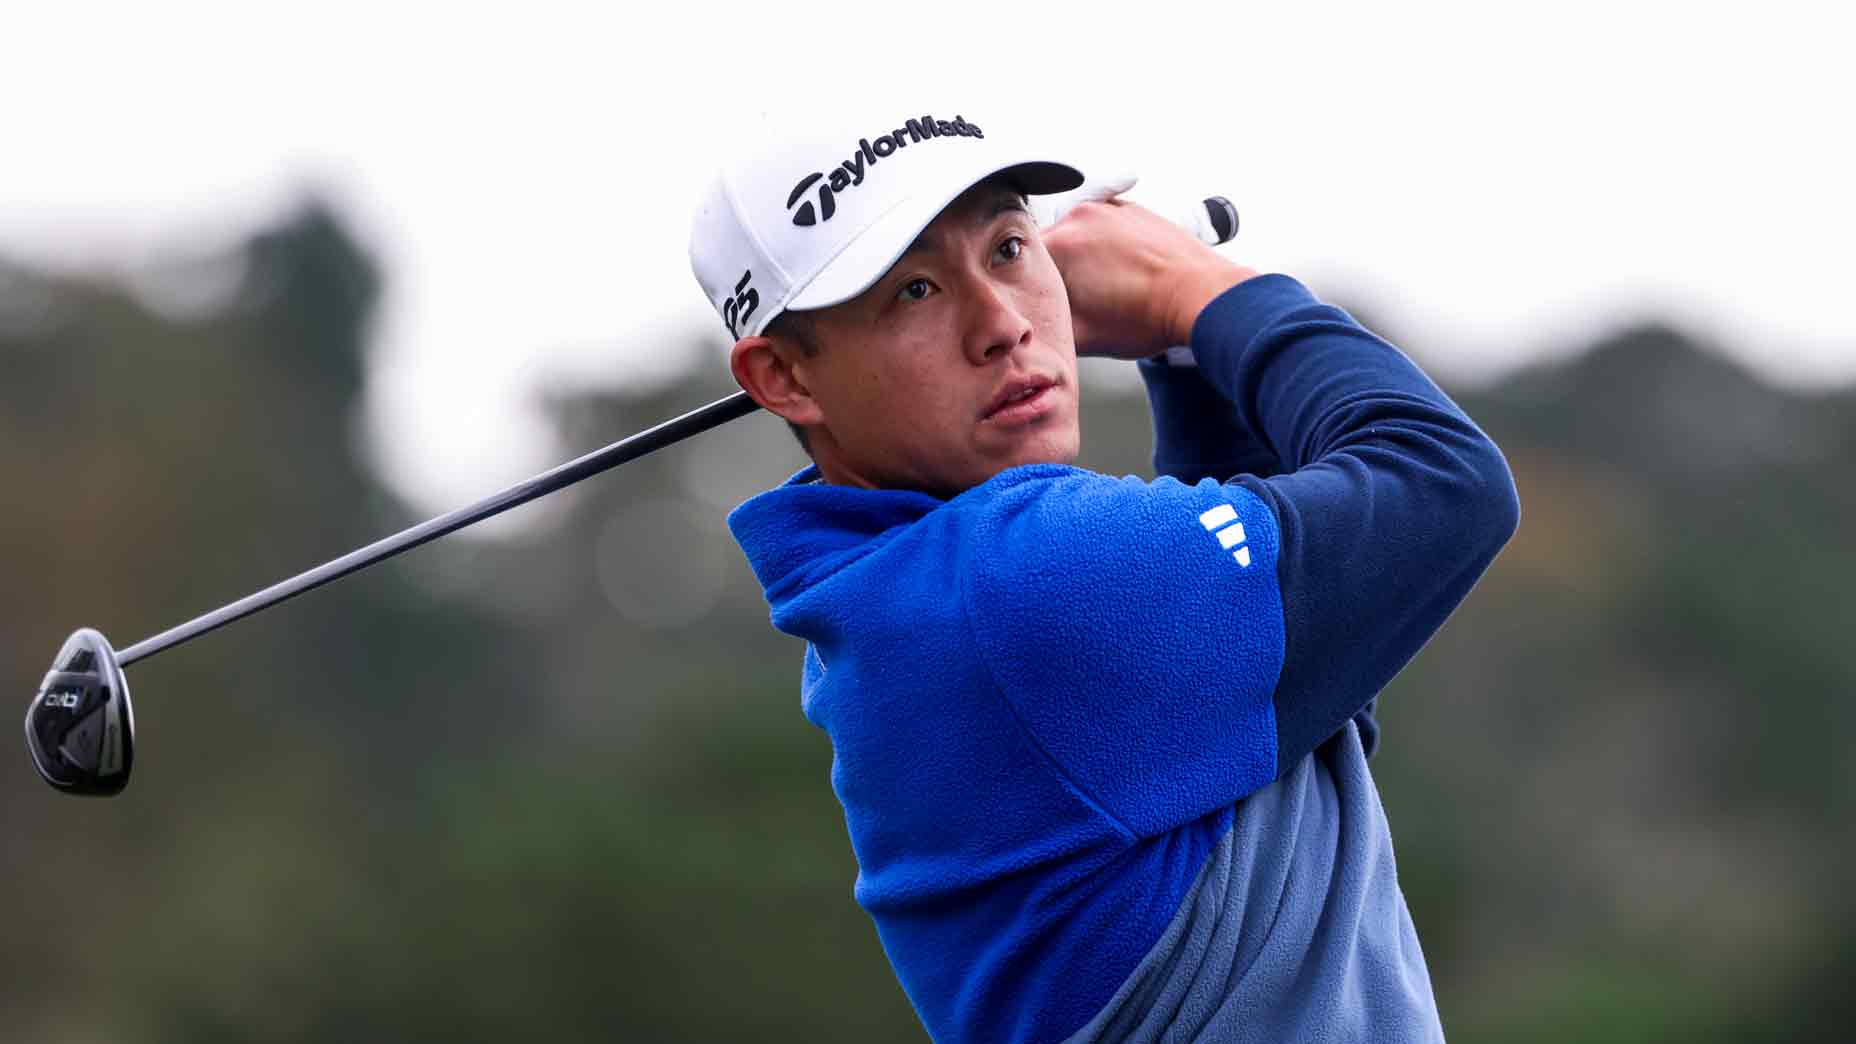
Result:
765,369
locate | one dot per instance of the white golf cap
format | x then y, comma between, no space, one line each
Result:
812,219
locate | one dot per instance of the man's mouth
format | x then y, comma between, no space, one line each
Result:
1022,399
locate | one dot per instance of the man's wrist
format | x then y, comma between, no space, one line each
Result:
1196,290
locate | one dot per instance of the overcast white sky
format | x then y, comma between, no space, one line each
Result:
1495,182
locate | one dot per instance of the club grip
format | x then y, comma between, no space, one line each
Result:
1214,220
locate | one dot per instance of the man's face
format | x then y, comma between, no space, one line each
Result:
957,364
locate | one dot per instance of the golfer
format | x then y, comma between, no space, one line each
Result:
1101,742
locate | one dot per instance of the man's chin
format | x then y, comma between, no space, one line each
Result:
1055,447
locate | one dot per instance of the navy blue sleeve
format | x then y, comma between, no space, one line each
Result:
1196,433
1390,504
1170,647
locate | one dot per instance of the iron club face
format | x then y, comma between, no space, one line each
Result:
80,727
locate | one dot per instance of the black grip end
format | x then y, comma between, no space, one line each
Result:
1223,216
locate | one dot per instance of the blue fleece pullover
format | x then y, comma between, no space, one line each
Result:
1050,696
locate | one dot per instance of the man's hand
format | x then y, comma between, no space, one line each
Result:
1136,281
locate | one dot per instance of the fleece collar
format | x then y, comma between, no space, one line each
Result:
805,529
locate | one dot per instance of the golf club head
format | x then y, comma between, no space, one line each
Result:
80,727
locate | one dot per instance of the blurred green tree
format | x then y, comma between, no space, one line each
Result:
560,786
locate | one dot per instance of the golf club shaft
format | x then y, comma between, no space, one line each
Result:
1214,221
671,431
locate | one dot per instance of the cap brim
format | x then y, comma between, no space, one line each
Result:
868,256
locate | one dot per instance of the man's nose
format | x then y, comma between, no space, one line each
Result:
997,326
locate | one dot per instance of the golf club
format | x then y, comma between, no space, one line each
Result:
80,726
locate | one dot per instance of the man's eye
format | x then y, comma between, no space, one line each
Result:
915,290
1013,248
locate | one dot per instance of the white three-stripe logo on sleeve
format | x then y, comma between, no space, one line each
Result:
1222,522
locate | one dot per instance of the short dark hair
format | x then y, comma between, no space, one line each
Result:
796,327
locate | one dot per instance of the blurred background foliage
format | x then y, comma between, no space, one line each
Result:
558,786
